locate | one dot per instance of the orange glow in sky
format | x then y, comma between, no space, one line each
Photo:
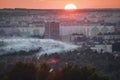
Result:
59,4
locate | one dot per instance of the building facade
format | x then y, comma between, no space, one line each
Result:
52,30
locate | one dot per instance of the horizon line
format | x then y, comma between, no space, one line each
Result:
59,9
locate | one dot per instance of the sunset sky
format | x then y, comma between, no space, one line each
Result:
59,4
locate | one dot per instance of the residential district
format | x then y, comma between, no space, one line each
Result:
98,29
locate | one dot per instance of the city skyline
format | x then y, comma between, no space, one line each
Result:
59,4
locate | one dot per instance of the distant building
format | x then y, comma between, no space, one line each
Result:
114,36
89,30
116,47
78,39
102,48
52,30
33,29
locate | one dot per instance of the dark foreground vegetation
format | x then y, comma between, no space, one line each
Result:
61,66
43,71
106,63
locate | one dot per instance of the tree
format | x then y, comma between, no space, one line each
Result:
23,71
43,71
31,71
71,72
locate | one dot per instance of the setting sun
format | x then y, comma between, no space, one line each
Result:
70,7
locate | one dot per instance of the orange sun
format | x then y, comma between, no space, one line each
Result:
70,7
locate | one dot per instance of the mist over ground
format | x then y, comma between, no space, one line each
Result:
11,45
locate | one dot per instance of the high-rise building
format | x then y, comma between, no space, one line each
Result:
52,30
